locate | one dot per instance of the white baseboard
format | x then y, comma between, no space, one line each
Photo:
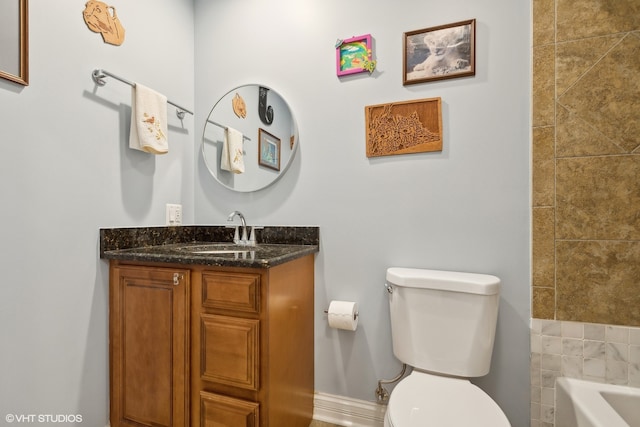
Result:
345,411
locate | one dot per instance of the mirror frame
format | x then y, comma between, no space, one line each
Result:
23,22
212,166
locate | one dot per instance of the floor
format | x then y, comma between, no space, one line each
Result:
316,423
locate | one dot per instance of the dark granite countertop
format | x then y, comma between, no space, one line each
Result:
208,245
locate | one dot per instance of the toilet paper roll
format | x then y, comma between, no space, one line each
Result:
343,315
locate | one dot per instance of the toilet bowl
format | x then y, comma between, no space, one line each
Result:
443,325
423,399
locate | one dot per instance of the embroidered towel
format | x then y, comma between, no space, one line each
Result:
148,121
232,158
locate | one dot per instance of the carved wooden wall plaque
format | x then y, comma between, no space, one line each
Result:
102,18
404,127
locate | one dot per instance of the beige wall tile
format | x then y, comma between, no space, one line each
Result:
543,248
597,282
543,303
543,166
575,58
598,198
543,85
608,95
544,23
587,18
577,137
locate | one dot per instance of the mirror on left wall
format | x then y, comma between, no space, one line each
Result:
14,41
250,138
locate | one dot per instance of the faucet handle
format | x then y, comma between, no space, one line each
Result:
252,239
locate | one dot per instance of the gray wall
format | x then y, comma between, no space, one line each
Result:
66,171
466,208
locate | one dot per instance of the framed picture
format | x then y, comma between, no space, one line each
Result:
354,55
268,150
14,41
437,53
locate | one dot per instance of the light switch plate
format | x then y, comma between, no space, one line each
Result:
173,214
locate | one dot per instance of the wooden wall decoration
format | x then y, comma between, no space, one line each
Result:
101,18
404,127
239,106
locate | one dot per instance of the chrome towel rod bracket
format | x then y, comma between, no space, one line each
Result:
99,74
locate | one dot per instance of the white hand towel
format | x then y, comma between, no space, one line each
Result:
148,121
232,158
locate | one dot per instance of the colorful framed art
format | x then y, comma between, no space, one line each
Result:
354,55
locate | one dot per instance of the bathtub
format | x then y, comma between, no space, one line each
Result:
582,403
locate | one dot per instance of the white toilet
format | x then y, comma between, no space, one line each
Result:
443,325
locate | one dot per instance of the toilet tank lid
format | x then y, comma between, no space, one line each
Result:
473,283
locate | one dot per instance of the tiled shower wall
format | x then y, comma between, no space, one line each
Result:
586,161
586,179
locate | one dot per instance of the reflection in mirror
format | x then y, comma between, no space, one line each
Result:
268,140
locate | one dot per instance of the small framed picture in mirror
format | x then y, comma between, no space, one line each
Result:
269,150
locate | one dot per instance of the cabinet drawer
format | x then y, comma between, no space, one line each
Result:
230,348
231,291
217,410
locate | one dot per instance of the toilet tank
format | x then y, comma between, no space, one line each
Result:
443,321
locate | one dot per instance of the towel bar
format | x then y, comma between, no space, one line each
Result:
225,127
99,74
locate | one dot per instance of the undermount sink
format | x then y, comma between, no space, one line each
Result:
218,251
216,248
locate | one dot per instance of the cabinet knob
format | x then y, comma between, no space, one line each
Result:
177,277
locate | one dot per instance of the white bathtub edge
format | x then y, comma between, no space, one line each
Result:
580,404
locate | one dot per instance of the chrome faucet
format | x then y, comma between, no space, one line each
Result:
243,240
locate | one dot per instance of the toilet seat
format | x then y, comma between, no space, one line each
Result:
423,399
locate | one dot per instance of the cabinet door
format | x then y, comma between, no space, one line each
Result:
223,411
149,339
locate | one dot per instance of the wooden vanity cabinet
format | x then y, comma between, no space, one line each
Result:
253,329
244,357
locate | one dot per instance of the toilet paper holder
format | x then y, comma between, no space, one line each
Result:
355,315
343,315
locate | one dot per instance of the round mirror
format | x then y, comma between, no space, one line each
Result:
250,138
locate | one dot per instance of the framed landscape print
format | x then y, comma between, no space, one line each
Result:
443,52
